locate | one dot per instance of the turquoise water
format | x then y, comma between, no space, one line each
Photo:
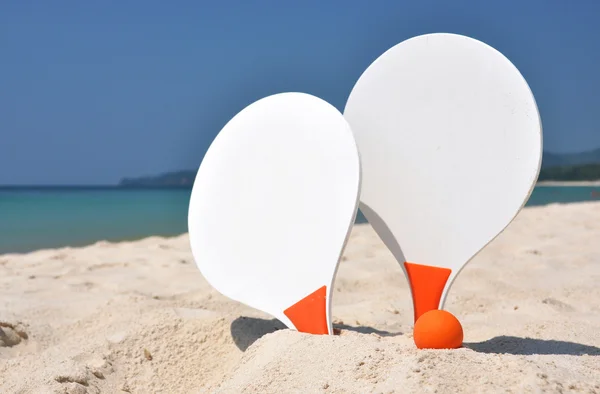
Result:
46,218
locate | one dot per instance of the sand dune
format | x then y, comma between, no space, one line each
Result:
138,317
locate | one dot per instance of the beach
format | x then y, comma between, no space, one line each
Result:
568,183
138,317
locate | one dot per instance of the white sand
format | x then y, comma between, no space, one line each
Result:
138,317
568,183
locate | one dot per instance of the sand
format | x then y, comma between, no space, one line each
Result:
138,317
568,183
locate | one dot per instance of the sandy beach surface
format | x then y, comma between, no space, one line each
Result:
138,317
568,183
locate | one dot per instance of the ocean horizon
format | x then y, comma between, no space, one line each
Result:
34,217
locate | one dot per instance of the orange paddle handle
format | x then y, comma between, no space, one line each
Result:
309,315
427,285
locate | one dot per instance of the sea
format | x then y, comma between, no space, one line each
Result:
34,218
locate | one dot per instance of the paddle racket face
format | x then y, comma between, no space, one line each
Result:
272,207
450,140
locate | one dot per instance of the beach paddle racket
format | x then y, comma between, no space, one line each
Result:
450,140
272,207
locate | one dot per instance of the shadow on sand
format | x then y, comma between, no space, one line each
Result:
365,330
247,330
529,346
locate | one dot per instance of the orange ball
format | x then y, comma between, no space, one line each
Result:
438,329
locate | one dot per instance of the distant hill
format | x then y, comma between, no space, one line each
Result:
550,159
584,166
585,172
178,179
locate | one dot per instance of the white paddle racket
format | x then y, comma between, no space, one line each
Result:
272,207
450,140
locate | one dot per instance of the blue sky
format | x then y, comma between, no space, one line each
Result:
92,92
